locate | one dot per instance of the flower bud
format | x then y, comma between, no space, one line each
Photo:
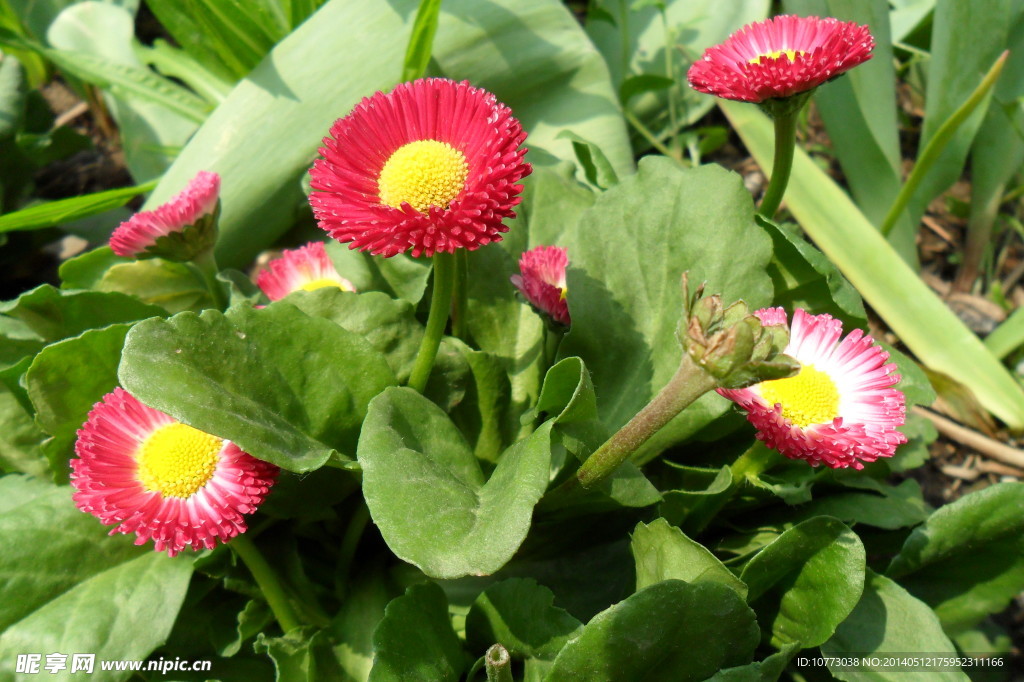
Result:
730,343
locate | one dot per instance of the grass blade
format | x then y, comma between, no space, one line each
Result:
421,42
66,210
938,143
921,320
1008,336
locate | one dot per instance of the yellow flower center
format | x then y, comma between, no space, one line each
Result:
562,293
320,284
792,54
177,460
424,173
811,397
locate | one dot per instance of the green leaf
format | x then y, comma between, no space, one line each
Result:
483,415
693,25
173,286
20,438
428,496
12,97
625,302
66,379
155,116
287,104
888,619
175,62
125,80
568,395
966,40
663,552
219,34
918,317
807,581
68,210
286,387
389,325
415,641
597,169
80,551
897,506
1008,336
403,276
86,270
520,614
670,630
362,609
967,560
645,82
55,314
768,670
301,655
804,278
417,54
125,612
698,486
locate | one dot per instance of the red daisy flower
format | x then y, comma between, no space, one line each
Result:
840,409
430,167
162,480
542,281
179,229
306,268
780,57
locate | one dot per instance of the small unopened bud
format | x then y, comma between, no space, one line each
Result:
730,343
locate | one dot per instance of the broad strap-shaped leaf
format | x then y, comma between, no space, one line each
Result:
520,614
427,493
663,552
173,286
668,631
415,640
888,619
624,287
967,559
807,581
286,387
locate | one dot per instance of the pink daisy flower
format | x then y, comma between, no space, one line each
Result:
306,268
542,281
162,480
430,167
179,229
840,409
780,57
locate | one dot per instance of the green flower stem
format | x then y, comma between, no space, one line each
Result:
460,299
785,142
437,320
207,266
267,581
689,383
498,664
